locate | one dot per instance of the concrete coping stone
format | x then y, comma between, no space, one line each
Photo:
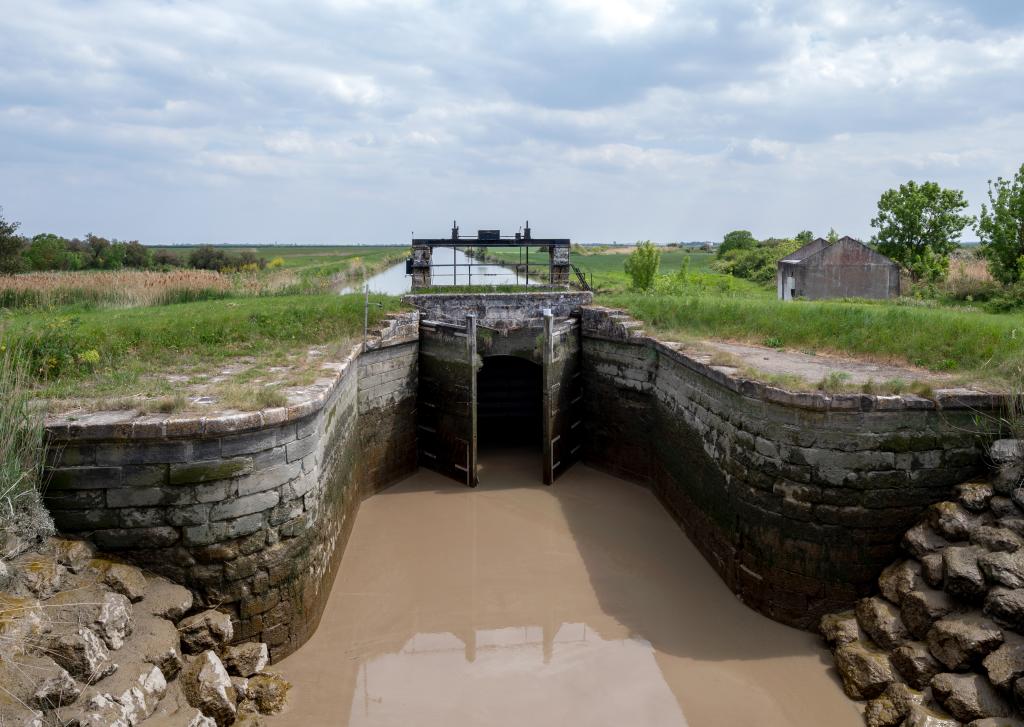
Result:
132,425
946,399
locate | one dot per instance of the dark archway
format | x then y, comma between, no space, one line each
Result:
509,403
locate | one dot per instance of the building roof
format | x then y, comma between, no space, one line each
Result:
845,251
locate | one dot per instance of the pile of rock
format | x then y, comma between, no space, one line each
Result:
941,645
89,642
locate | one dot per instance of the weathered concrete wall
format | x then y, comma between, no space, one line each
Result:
251,511
797,500
498,310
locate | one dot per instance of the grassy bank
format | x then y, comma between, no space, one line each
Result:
988,348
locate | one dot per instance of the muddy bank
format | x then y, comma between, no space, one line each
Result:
513,603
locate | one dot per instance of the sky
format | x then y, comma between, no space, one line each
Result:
331,121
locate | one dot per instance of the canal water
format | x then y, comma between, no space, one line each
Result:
394,281
518,604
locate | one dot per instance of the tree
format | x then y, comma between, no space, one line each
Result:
919,225
642,265
207,257
137,255
1001,229
832,236
11,244
737,240
48,252
804,237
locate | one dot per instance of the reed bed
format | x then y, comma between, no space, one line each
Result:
121,288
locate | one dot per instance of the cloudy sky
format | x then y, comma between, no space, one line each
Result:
364,120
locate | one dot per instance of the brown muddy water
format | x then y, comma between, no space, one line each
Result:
519,604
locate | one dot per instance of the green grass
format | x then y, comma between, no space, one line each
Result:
987,347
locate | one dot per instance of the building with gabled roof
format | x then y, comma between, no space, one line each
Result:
846,268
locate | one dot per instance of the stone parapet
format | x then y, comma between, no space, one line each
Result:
498,310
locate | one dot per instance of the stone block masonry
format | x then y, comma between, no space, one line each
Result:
249,510
797,500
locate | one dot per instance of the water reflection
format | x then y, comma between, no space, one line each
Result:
515,603
394,281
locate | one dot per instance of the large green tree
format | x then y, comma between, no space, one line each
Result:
1001,228
737,240
11,244
919,225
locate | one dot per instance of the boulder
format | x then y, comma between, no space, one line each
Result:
997,722
899,579
996,538
207,630
922,716
55,689
40,574
246,659
269,692
207,687
1003,568
881,620
81,653
137,688
126,580
974,496
962,641
962,575
1006,664
19,715
107,613
915,663
864,669
921,540
73,554
969,696
891,707
99,710
952,521
186,716
155,640
165,599
1006,606
931,569
241,685
839,628
923,607
1007,456
1003,507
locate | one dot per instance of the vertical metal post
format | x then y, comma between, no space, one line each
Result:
471,444
548,465
366,312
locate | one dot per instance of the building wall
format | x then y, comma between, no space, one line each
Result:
251,511
797,500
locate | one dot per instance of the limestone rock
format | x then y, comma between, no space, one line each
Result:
241,685
155,640
969,696
269,692
921,540
18,715
138,688
923,607
55,689
963,640
41,575
975,496
107,613
100,710
81,652
165,599
995,538
891,707
839,628
126,580
187,716
881,620
899,579
1006,606
73,554
915,663
997,722
1003,568
922,716
931,569
962,575
1007,456
951,521
207,630
1006,664
864,669
1003,507
207,687
246,659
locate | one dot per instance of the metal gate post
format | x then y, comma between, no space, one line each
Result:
548,474
471,445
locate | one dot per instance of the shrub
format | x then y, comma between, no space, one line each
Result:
758,263
642,265
22,451
277,262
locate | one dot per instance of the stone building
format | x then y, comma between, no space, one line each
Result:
844,269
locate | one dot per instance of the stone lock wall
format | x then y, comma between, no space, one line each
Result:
797,500
249,510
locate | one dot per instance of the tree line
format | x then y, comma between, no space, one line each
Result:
47,251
